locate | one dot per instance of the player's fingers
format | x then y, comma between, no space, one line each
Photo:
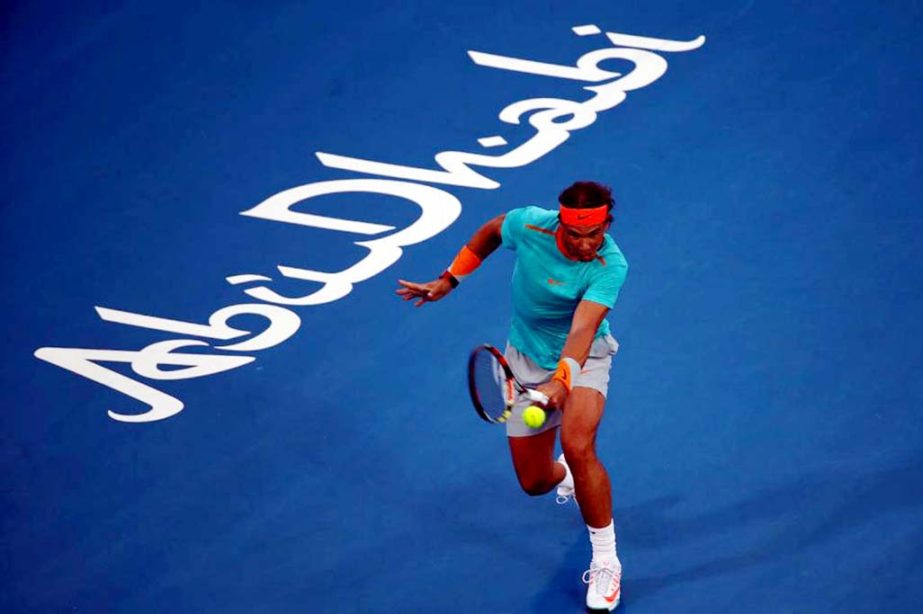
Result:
550,404
409,285
411,292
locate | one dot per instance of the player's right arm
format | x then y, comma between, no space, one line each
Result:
483,243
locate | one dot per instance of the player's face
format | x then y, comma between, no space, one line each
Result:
582,242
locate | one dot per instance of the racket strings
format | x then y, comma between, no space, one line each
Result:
494,390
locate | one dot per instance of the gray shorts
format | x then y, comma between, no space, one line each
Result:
595,375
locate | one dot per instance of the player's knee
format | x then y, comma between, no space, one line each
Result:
578,450
535,485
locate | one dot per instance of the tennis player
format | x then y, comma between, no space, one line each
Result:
567,277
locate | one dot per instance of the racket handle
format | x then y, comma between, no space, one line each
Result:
537,397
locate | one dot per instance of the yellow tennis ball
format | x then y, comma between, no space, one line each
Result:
533,416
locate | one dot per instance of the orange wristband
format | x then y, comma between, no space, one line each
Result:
566,371
464,264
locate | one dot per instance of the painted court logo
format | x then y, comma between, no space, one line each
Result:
551,122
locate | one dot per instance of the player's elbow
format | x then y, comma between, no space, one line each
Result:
488,238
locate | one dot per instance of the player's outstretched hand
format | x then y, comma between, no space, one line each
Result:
424,293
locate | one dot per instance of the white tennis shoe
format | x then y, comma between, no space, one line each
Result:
565,490
604,590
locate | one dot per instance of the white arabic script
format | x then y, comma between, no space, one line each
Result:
553,121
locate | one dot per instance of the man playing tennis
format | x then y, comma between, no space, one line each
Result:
567,276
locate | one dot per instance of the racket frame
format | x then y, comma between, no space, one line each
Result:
513,387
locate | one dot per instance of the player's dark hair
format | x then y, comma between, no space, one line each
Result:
586,195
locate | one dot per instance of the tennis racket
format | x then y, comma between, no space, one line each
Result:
493,386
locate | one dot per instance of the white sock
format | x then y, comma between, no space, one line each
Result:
603,542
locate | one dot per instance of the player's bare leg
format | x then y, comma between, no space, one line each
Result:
533,460
582,413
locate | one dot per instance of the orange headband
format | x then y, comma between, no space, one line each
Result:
584,217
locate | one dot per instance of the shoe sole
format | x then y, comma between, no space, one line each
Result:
607,608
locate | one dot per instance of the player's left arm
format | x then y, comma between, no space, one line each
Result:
587,318
583,327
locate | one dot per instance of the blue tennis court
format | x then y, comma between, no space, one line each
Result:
213,401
